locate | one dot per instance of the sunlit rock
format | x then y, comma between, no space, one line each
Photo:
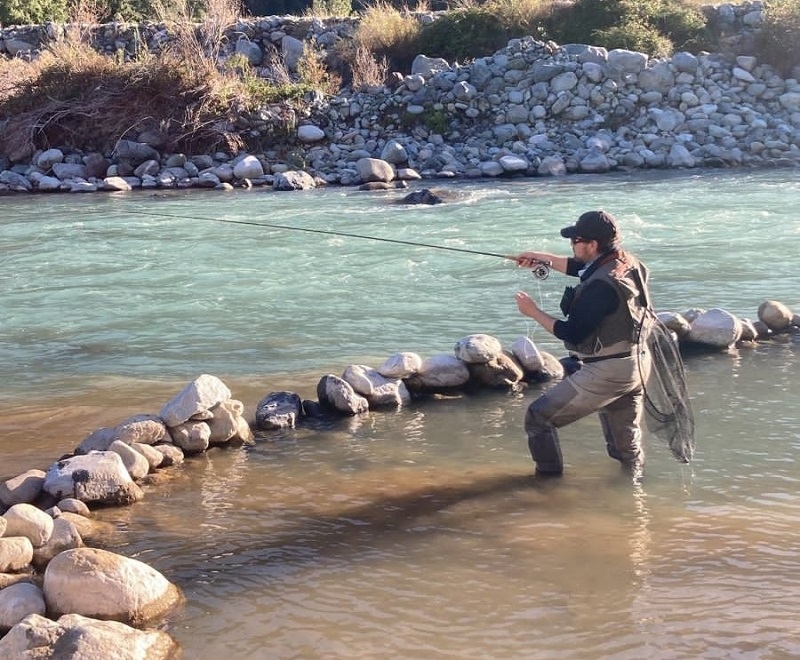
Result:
440,371
104,585
65,536
28,521
18,601
16,552
225,423
374,169
716,328
527,354
192,437
87,639
776,315
375,388
477,348
334,392
400,365
99,476
200,395
675,322
24,487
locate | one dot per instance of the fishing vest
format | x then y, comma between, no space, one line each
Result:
620,331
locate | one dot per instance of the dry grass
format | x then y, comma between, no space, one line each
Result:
74,96
367,71
313,72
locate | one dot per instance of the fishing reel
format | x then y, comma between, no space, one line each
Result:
541,271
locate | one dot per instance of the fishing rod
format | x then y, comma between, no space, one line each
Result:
541,270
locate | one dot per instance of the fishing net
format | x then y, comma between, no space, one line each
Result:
668,412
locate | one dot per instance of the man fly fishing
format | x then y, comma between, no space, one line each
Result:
611,328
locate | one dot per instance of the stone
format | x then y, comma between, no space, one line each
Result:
86,639
716,328
477,348
101,584
16,553
334,392
279,410
776,315
501,372
200,395
400,365
527,354
97,477
28,521
25,487
136,464
374,169
375,388
308,134
440,371
18,601
65,536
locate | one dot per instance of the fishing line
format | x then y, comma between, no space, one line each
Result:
327,232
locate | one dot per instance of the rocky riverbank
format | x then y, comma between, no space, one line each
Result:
531,109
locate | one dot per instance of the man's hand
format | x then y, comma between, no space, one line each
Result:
526,304
528,307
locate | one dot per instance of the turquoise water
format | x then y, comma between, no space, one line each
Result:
417,533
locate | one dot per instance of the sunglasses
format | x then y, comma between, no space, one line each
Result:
577,239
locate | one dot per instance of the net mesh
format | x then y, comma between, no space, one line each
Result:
668,411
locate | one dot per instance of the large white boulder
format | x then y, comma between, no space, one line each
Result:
200,395
99,476
103,585
86,639
18,601
28,521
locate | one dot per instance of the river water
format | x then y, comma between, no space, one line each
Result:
417,533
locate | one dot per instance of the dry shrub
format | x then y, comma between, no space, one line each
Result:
77,97
312,71
274,69
367,71
382,27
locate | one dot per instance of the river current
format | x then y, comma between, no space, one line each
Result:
420,532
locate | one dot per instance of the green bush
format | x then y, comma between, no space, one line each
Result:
462,34
656,27
635,36
32,12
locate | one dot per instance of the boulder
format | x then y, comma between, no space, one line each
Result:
25,487
375,388
101,584
716,328
776,315
400,365
527,354
81,638
278,410
18,601
99,476
28,521
500,372
441,371
477,348
374,169
200,395
334,392
16,552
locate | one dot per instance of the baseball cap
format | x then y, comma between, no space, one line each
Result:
598,226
